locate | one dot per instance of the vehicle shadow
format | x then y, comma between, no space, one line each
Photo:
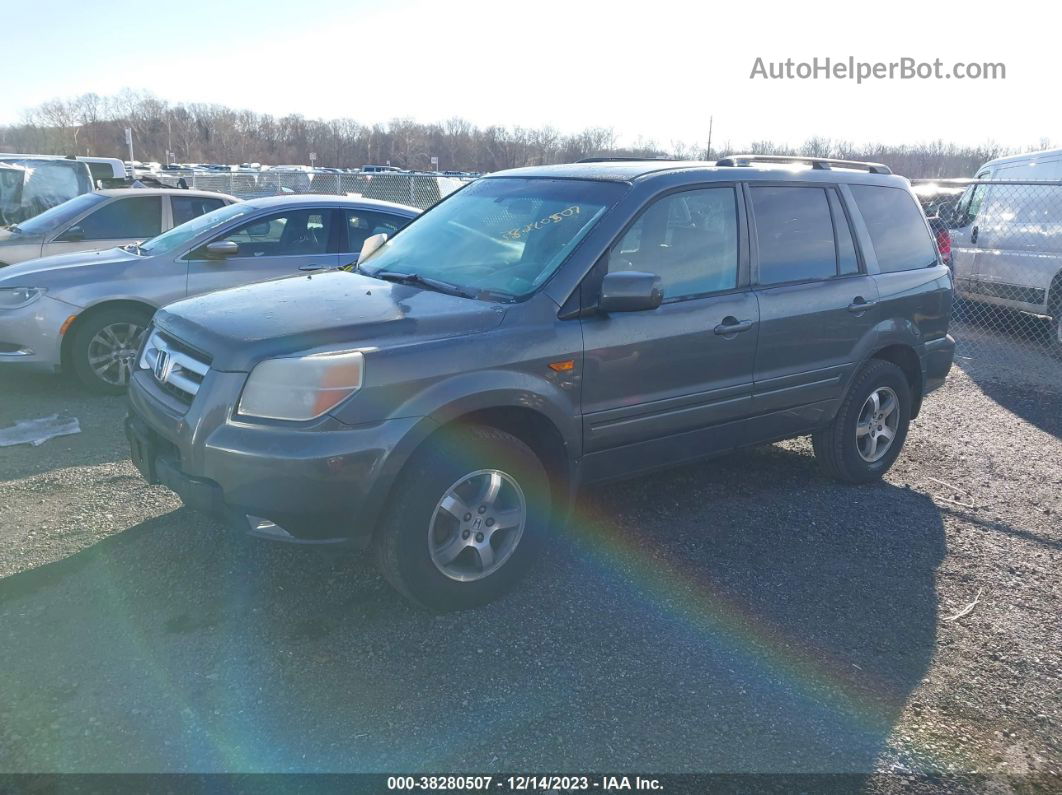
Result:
1036,404
741,615
28,395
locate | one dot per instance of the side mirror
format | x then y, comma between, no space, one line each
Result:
371,245
74,234
220,249
630,291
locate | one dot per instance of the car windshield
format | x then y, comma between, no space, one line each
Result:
58,215
504,235
173,239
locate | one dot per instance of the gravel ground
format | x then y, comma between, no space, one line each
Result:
744,614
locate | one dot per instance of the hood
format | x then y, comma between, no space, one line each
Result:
58,270
243,325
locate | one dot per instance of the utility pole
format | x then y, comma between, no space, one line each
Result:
129,141
708,154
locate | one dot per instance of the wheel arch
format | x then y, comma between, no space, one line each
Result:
532,427
906,358
121,303
1054,294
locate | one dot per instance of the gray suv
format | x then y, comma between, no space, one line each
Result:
540,329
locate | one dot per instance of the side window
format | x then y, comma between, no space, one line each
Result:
688,239
136,218
185,208
794,234
847,262
897,230
362,224
287,234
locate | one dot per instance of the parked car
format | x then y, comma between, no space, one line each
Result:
938,203
1007,237
537,330
47,181
86,312
11,182
105,219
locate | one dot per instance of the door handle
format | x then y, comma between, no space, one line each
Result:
973,236
731,325
859,305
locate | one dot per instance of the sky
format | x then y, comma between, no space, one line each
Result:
652,71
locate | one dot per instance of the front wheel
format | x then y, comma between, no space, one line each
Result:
869,430
103,351
1056,324
465,520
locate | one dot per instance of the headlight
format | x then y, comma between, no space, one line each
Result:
301,388
18,297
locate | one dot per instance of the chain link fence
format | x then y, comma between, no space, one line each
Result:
416,190
1003,241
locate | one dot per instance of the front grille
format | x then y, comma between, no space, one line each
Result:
177,369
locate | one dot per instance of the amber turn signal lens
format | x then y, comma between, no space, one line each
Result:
67,324
562,367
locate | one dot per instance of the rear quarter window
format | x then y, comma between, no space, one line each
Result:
898,233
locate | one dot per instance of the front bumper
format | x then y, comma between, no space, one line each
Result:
30,336
315,484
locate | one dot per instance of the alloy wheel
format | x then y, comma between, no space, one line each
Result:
477,525
112,352
876,428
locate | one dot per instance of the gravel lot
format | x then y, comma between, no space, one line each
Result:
744,614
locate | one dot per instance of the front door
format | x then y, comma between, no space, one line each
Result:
816,304
269,246
673,383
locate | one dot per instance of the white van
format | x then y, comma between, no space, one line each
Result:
1006,238
47,180
105,168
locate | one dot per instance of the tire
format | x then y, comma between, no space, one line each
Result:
839,450
1055,329
418,535
118,331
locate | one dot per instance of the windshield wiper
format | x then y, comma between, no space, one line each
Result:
421,281
134,248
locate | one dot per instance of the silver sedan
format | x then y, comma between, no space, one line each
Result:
86,312
105,219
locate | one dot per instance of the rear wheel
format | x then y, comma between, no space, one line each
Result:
103,351
466,519
870,427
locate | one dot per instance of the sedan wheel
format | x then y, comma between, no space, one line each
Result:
112,352
103,350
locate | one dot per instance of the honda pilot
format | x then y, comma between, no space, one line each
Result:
441,402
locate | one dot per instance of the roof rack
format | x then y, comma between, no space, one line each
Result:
815,162
620,159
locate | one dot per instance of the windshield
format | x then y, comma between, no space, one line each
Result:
60,214
505,235
172,240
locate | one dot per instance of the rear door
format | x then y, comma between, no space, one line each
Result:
672,383
185,208
816,303
271,245
906,266
117,223
359,225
